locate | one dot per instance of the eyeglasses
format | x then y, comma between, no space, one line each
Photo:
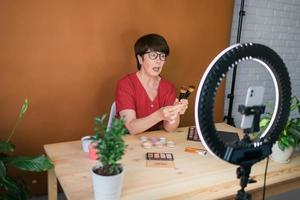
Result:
153,55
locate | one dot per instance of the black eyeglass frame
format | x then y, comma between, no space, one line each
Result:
156,54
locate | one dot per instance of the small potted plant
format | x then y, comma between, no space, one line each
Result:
108,174
289,137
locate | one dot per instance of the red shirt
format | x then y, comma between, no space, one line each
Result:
131,94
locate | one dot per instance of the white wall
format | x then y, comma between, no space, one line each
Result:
275,23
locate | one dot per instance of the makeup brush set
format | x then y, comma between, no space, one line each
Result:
186,91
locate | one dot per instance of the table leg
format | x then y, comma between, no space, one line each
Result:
52,185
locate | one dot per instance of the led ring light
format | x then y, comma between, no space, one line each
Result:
241,153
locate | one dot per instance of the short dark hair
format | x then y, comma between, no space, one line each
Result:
152,42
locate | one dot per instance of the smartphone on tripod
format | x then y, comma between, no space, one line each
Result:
254,97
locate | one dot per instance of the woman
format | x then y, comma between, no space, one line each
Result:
145,99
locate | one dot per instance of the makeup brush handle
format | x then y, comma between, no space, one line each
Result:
181,95
187,95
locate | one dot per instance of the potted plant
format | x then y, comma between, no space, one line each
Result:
108,174
12,187
289,138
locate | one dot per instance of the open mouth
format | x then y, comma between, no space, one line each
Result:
156,69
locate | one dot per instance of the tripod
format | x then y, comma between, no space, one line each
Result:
243,171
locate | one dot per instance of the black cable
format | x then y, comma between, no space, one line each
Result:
265,178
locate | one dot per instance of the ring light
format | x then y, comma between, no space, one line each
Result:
254,151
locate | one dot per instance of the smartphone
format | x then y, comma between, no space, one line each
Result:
254,97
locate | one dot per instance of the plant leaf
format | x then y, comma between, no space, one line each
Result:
24,108
34,164
2,170
290,135
281,146
111,146
9,185
284,142
295,132
264,122
16,189
19,119
6,146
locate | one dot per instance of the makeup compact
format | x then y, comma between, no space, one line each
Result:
154,140
163,140
170,144
158,144
143,139
147,145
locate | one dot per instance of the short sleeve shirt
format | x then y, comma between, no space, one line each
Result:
130,94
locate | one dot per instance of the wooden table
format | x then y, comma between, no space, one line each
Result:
194,176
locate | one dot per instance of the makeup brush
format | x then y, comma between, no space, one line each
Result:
183,90
190,89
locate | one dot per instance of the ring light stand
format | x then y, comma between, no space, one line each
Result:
244,153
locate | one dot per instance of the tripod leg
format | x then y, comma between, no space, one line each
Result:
243,173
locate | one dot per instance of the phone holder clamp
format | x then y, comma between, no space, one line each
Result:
252,110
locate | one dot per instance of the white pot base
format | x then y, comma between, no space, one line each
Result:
107,187
281,156
280,161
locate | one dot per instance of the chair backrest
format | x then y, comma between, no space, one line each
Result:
112,114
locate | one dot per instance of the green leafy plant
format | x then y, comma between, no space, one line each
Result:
290,135
14,188
109,144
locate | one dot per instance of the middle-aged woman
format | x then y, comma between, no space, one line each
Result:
146,100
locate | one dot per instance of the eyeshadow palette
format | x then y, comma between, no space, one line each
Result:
159,156
193,134
160,160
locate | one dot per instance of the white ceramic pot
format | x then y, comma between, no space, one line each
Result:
107,187
281,156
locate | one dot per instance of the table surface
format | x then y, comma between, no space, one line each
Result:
194,176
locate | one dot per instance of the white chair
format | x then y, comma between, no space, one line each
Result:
112,114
